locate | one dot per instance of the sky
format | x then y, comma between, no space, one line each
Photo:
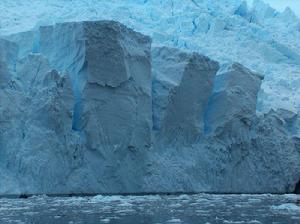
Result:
282,4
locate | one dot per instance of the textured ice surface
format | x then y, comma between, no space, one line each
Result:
78,102
182,85
235,95
116,99
87,120
228,31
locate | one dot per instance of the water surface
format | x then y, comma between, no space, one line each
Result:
189,209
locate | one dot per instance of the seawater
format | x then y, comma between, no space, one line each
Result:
156,209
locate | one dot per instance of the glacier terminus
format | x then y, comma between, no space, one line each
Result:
146,96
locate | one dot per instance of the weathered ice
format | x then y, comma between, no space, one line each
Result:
90,107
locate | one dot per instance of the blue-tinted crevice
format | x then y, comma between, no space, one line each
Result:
77,89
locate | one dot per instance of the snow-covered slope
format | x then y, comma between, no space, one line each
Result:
260,38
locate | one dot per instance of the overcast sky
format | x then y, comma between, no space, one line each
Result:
282,4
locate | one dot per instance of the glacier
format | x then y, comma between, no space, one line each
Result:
227,31
89,105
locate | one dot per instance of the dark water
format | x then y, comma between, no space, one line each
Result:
190,209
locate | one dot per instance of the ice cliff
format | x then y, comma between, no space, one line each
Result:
91,107
227,31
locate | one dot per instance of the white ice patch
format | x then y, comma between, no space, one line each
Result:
288,207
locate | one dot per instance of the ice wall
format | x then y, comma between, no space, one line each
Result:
89,107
